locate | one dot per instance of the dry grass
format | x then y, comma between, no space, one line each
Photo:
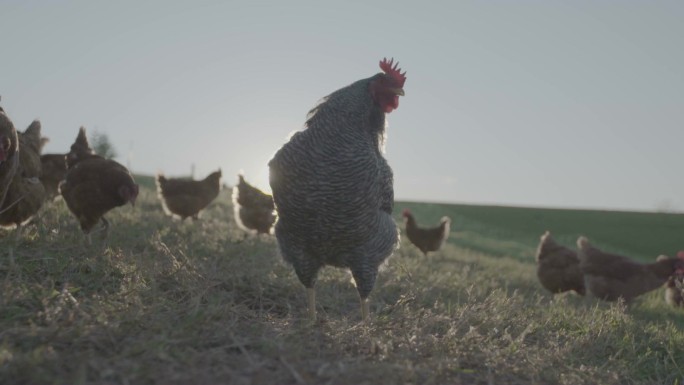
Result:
199,303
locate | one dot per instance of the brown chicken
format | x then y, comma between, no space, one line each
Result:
79,150
185,198
674,287
94,185
254,209
9,159
610,276
674,290
558,267
426,239
25,194
53,171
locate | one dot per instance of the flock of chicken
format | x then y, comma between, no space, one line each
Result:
332,197
90,184
605,275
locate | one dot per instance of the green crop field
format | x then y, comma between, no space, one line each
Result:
515,231
165,302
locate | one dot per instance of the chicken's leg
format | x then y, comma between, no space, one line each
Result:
311,294
365,311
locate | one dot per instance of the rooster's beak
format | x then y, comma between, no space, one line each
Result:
397,91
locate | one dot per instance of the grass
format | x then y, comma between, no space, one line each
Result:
166,302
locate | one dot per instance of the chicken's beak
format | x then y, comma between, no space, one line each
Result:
397,91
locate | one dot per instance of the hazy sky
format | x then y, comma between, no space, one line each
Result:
536,103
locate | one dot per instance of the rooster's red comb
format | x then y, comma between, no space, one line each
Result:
394,72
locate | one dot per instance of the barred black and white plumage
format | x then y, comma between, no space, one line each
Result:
333,188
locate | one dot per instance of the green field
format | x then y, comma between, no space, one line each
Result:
515,231
165,302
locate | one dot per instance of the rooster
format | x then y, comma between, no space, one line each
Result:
25,194
332,186
253,208
94,185
610,276
426,239
185,198
558,267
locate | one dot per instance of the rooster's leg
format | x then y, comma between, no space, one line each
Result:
89,240
306,272
365,311
311,294
364,278
17,234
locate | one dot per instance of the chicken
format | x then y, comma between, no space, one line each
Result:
53,170
25,194
94,185
674,287
253,208
333,188
674,290
9,158
79,150
610,276
186,198
558,267
426,239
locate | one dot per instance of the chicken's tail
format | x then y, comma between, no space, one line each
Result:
160,181
213,181
583,243
446,223
545,242
546,239
216,175
236,195
33,137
